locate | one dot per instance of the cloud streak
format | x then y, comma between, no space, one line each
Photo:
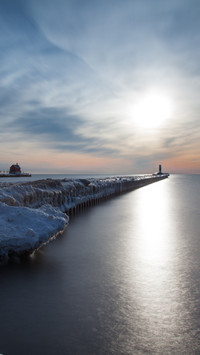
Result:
57,129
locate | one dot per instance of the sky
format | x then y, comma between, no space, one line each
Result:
100,86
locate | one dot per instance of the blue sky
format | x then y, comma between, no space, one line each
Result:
100,86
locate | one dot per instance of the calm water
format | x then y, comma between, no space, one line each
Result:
123,279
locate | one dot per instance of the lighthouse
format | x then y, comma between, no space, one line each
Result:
159,173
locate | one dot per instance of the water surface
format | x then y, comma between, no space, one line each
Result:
123,279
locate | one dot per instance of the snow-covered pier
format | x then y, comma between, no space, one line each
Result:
31,213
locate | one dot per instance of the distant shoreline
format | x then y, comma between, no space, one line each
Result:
15,175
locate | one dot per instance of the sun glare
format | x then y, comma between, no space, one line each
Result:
152,110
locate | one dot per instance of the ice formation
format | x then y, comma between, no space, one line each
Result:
25,229
31,213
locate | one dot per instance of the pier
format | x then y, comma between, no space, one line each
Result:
71,196
112,188
32,213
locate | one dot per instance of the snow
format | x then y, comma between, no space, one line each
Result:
25,229
31,213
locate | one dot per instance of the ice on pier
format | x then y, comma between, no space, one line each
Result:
25,229
33,212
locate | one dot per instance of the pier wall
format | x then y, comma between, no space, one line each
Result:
101,193
32,213
71,196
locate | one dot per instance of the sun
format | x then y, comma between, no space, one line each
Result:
151,110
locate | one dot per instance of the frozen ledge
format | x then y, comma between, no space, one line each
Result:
34,212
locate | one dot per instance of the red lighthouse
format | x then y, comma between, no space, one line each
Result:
15,169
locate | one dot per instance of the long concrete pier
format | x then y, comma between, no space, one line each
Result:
113,187
70,196
32,213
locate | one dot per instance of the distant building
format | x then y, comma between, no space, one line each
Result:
15,169
160,171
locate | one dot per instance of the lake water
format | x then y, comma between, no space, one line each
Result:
124,278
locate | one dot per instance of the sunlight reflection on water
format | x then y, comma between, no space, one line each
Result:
158,292
152,211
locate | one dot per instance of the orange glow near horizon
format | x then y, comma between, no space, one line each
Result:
43,162
38,160
182,165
